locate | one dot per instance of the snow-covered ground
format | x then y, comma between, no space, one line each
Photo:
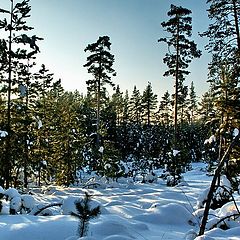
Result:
129,210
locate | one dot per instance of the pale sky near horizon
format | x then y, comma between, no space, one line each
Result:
134,26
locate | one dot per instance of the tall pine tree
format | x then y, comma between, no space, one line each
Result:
182,49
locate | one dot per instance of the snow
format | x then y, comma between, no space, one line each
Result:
28,201
175,152
211,140
129,211
3,133
101,149
11,193
235,132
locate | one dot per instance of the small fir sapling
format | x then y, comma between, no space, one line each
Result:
84,214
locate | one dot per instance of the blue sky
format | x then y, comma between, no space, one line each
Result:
133,26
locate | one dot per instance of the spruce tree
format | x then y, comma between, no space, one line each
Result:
165,110
192,106
117,99
149,104
135,106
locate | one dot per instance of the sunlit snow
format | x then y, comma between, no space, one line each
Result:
129,211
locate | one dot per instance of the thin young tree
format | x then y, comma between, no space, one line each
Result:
181,50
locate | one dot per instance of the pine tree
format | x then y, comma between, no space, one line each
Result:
224,45
182,50
99,64
223,33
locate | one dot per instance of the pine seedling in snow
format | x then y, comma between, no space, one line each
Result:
84,214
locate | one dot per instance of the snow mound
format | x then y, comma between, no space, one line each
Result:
110,227
69,205
171,213
16,203
28,202
11,193
229,209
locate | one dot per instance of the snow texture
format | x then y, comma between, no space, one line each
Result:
129,210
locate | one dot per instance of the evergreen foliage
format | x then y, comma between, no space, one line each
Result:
84,214
149,104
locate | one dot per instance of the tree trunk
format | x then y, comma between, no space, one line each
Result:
8,156
176,87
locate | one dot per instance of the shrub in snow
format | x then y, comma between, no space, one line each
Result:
18,204
85,212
